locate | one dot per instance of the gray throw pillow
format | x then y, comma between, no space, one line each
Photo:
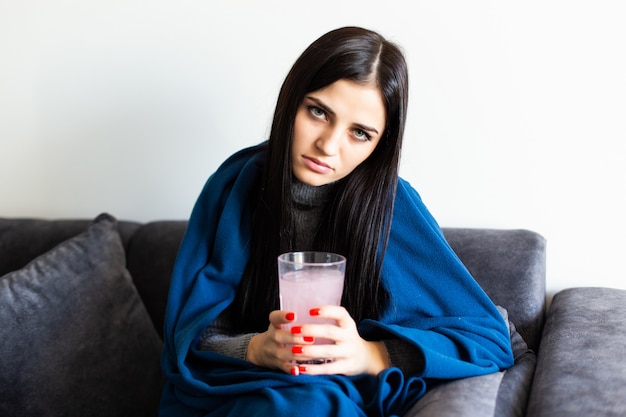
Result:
75,338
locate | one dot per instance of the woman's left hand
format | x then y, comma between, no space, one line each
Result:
350,353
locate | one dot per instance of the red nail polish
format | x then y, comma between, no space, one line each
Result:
314,312
302,369
290,316
309,339
296,349
296,330
295,370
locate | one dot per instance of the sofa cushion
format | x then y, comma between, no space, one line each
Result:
581,367
75,338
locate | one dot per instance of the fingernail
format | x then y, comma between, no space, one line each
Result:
296,330
309,339
290,316
295,370
314,312
302,369
296,349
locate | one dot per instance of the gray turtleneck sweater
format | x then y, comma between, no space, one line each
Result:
309,202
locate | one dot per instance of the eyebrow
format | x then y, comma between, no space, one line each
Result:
328,110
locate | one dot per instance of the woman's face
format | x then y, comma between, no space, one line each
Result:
336,128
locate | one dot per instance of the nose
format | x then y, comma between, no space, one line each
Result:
328,142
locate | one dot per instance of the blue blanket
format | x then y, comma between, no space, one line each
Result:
435,305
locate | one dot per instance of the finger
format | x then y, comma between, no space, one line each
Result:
289,368
328,368
301,336
301,353
284,337
337,313
279,317
309,333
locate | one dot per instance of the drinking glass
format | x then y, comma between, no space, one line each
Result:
307,280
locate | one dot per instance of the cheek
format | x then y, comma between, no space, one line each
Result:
299,131
353,160
360,157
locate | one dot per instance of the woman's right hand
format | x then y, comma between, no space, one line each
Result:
271,349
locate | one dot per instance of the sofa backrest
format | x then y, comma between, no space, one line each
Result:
23,239
508,264
150,257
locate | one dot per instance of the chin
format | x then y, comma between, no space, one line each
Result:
315,183
313,180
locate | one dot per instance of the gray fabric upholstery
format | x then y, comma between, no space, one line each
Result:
501,394
75,336
510,265
150,251
581,367
469,397
23,239
514,389
151,255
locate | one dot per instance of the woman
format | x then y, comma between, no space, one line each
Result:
327,179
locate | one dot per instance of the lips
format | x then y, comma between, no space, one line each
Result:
316,165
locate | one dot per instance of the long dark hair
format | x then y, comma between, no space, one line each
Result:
357,221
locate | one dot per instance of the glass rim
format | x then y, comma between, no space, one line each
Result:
290,258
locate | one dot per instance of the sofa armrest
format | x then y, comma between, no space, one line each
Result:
581,366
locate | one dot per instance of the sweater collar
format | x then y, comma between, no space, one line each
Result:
306,195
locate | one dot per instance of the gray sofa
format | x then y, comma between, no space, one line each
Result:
82,304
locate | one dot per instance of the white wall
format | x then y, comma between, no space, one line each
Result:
517,112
